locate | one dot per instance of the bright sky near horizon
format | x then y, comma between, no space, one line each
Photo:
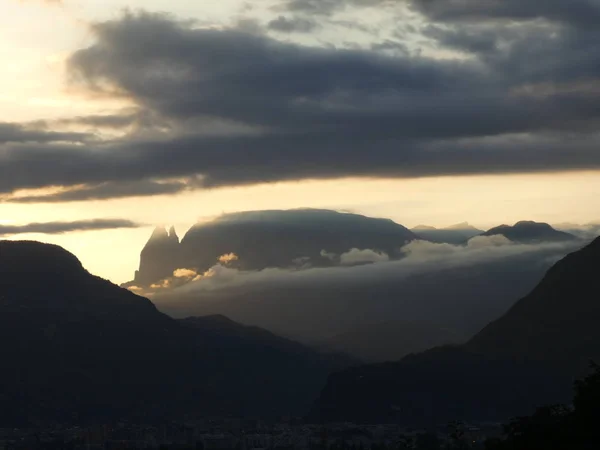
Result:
358,59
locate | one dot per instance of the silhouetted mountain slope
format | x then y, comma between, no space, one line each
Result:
557,320
527,358
530,232
390,341
270,239
75,347
455,234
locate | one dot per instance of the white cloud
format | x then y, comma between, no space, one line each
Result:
185,273
420,257
459,286
356,256
228,258
328,255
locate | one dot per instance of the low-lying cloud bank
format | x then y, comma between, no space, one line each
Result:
464,286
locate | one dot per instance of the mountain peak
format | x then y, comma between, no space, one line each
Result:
529,223
173,234
424,227
461,226
159,233
30,257
528,231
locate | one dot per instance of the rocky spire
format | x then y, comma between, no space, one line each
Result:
159,234
159,257
173,234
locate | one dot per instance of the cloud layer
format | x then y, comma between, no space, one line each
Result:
505,87
67,227
462,287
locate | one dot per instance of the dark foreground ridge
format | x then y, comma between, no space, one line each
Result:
528,357
76,348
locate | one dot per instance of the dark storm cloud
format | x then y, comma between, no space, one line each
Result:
523,98
115,121
67,227
11,132
312,6
577,12
292,25
327,7
108,190
250,160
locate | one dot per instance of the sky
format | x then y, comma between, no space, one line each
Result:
116,116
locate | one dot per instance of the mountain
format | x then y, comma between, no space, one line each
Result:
158,257
455,234
528,357
423,228
529,232
557,320
464,226
392,340
76,348
274,238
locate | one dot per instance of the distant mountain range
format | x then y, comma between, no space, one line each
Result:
300,238
524,232
527,358
455,234
261,239
76,348
311,293
529,232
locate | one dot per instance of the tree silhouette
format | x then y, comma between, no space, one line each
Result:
558,427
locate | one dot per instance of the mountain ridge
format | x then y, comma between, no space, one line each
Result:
79,349
268,239
529,231
526,358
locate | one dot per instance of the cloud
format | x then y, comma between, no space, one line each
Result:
105,191
329,255
292,25
463,287
576,12
228,258
586,231
17,133
185,273
115,121
67,227
356,256
136,289
163,284
508,99
488,241
328,7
